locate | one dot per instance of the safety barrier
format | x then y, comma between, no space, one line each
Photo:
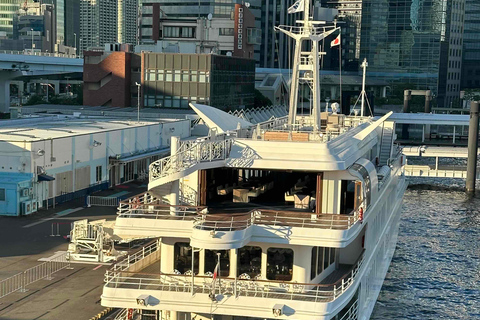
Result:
21,280
102,201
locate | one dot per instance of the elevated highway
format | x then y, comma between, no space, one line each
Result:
16,64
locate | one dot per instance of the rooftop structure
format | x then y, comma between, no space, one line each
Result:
54,158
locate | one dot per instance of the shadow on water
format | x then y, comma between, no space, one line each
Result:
434,273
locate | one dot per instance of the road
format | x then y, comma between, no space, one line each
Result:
71,294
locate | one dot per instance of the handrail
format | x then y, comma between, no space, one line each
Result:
206,150
264,216
164,281
131,259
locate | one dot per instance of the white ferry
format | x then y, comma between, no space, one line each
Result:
293,218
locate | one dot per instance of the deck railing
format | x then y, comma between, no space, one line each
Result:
234,287
131,259
237,221
204,151
232,222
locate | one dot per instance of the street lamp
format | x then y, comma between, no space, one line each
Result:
138,100
31,30
47,85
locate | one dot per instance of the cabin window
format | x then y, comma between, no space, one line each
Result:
211,259
249,261
279,264
183,257
322,258
366,179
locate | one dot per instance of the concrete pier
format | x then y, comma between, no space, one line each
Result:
472,148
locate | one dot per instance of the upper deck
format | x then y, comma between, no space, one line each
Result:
271,146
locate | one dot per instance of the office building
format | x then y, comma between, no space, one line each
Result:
471,45
8,9
72,23
168,80
127,23
220,35
56,159
34,29
98,23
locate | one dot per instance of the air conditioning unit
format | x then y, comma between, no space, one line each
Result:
26,207
30,191
24,192
34,206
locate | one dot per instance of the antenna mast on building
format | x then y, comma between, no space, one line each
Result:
306,64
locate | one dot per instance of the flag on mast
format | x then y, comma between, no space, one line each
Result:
215,272
335,42
298,6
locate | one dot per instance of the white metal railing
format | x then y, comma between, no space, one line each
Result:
352,313
21,280
131,259
126,314
188,195
232,222
102,201
41,54
203,151
235,287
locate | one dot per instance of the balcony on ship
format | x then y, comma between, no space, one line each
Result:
253,275
225,208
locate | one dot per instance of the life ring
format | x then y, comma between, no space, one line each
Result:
360,214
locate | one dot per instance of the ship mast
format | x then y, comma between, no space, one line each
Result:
306,64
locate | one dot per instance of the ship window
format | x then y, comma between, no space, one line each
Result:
211,260
322,258
183,257
320,254
279,264
366,179
249,261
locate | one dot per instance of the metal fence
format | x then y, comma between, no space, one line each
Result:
103,201
21,280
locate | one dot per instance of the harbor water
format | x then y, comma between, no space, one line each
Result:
435,271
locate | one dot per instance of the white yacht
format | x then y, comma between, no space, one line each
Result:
293,218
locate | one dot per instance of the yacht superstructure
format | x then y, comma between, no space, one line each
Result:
293,218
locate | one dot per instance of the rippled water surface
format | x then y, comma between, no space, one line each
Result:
435,272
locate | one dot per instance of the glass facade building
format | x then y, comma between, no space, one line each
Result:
174,80
8,9
471,45
416,42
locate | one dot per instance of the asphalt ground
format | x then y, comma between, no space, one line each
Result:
71,294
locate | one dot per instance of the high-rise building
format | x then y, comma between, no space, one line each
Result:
72,23
471,46
8,9
350,18
127,21
415,42
98,23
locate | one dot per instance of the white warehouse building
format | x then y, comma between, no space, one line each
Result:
51,159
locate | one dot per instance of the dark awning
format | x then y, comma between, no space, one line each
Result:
44,177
